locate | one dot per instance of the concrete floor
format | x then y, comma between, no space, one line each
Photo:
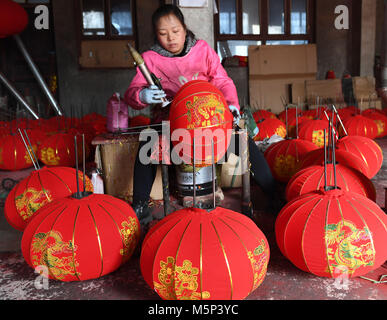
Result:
282,282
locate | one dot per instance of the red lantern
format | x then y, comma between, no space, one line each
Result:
360,126
291,114
292,125
348,112
58,150
284,157
81,239
195,254
39,188
201,110
270,127
263,115
331,233
313,131
380,119
13,18
366,149
346,158
13,153
315,114
313,179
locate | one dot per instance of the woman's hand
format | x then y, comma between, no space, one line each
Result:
151,95
235,112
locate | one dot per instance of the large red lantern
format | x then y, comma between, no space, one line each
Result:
39,188
13,153
295,124
58,150
284,157
199,110
380,119
313,131
364,148
333,233
313,179
360,126
13,18
346,158
81,239
199,255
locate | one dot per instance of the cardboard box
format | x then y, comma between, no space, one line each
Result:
364,88
106,54
231,173
274,69
116,155
324,90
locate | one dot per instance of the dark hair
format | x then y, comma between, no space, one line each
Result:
166,10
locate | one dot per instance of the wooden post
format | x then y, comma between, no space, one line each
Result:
246,205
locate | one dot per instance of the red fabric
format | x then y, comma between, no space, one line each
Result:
313,179
316,157
284,157
364,148
194,254
13,153
199,107
13,18
270,127
39,188
139,120
329,233
81,239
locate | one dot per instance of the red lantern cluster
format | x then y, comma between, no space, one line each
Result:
199,255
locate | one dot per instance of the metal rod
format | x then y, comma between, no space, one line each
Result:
334,160
193,173
28,150
18,96
76,165
339,118
37,74
32,149
286,120
213,174
84,162
325,161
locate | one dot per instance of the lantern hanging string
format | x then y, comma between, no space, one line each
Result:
28,150
193,173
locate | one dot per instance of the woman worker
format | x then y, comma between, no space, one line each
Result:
176,58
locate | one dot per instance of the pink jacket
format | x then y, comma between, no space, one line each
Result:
201,63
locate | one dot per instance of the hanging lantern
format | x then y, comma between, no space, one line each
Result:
81,239
313,179
270,127
360,126
380,119
58,150
263,115
284,157
39,188
366,149
346,158
332,233
13,153
198,255
13,18
201,110
313,131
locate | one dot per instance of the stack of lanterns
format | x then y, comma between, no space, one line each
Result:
75,234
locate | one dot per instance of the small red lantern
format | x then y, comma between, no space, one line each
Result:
346,158
13,18
360,126
364,148
332,233
13,153
58,150
313,179
199,255
201,110
284,157
270,127
313,131
39,188
81,239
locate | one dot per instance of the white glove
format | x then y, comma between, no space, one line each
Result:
151,95
235,112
